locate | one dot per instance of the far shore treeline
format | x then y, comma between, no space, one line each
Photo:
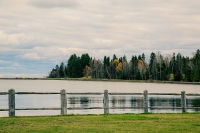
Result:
173,68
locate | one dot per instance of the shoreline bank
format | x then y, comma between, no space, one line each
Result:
107,80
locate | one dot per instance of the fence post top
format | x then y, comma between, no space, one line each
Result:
105,90
63,91
11,89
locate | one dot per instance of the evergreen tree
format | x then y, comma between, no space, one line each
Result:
152,66
143,57
133,66
85,60
74,68
195,74
62,70
70,65
106,66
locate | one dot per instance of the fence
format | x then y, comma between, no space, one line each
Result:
63,108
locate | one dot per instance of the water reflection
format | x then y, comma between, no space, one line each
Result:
194,102
136,102
156,103
88,101
85,101
165,102
40,101
117,101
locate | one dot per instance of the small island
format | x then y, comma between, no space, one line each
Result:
159,68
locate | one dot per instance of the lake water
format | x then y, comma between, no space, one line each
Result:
48,101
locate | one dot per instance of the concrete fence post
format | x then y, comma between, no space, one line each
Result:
106,102
11,104
145,101
63,102
183,101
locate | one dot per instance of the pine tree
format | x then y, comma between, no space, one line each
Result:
61,70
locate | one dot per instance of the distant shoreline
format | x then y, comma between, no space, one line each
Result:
106,80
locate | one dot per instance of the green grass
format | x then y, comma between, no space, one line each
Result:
136,123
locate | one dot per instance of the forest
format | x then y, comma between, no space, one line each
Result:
165,68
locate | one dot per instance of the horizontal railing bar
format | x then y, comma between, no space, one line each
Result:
89,93
125,93
98,93
80,108
192,94
142,94
3,93
4,109
193,107
164,94
125,107
165,107
37,92
38,109
142,107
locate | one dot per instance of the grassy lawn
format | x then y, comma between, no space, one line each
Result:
137,123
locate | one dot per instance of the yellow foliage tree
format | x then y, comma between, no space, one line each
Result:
119,67
87,71
116,62
140,65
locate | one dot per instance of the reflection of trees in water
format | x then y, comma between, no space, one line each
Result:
164,102
136,102
118,101
114,101
121,101
73,100
194,102
84,101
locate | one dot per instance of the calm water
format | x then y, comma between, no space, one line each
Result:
46,101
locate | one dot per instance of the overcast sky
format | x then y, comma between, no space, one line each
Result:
35,35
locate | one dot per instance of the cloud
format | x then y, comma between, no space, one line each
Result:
53,3
32,56
8,23
43,33
16,65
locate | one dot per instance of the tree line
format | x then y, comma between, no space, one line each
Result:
174,68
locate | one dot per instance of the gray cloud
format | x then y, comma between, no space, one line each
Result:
53,3
45,32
